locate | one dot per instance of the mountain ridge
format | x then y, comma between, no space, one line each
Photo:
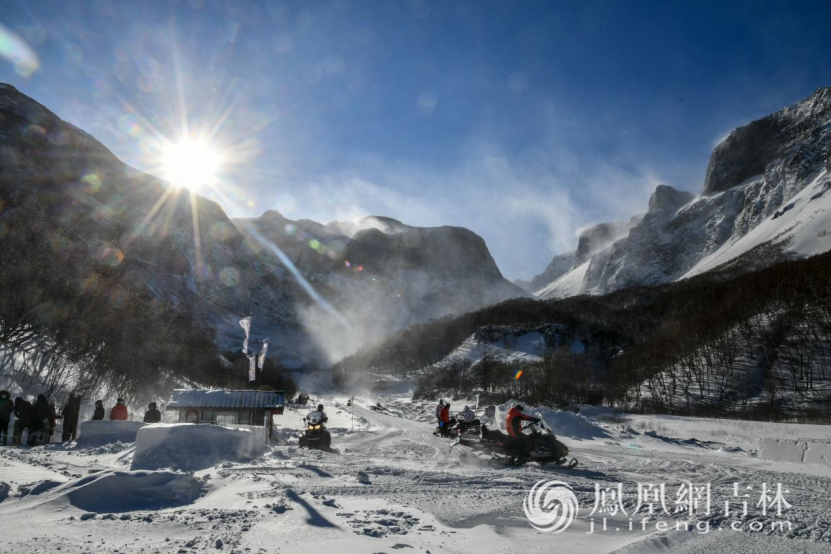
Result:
757,172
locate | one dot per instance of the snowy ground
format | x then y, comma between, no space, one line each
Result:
392,486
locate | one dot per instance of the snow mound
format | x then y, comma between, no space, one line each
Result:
126,491
797,451
189,447
101,432
562,423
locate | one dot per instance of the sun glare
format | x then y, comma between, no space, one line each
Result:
191,164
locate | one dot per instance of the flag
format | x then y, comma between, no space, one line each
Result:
245,323
252,367
261,359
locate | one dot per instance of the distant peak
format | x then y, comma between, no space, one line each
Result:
272,214
667,198
380,219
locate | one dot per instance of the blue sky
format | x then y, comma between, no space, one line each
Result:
523,121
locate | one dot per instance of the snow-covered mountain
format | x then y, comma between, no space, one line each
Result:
764,200
382,275
362,279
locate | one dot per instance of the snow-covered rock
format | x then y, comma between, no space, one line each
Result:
190,447
506,344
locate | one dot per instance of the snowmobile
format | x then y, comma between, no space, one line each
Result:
466,428
451,429
457,427
541,446
316,435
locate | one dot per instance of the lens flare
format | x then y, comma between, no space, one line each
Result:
14,49
191,164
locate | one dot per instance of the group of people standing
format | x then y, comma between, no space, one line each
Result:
446,422
119,412
39,420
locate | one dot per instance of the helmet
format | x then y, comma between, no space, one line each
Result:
119,401
520,408
320,407
467,407
441,401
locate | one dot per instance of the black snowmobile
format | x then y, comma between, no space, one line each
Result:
470,428
316,435
457,427
449,433
539,446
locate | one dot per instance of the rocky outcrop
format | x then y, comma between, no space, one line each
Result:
667,199
591,240
596,238
559,265
790,134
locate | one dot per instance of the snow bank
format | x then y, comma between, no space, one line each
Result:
563,423
189,447
126,491
818,453
100,432
798,451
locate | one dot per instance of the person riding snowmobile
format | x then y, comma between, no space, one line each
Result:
513,425
323,417
316,434
467,420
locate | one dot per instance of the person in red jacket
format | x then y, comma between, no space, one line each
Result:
119,411
514,422
444,419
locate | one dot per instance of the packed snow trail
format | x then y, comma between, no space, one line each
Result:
391,484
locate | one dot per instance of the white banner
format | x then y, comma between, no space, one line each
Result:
252,367
245,323
261,359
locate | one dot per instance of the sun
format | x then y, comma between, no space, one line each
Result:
191,164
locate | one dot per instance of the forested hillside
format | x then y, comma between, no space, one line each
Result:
754,344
